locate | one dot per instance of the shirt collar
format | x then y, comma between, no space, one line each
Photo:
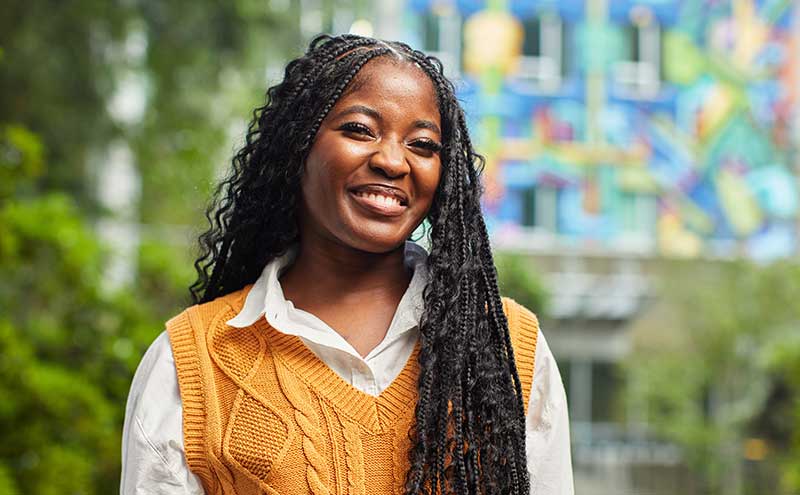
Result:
266,297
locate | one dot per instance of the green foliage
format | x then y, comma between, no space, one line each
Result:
717,363
519,281
54,78
68,347
68,343
7,485
198,63
21,161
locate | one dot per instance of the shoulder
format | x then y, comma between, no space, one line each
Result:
231,301
190,333
152,438
202,316
155,369
153,399
523,328
522,322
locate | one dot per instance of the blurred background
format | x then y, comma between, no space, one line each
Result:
641,189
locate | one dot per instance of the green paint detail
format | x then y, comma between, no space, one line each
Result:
738,139
684,62
490,134
607,180
637,179
737,202
497,5
694,218
722,69
491,80
599,45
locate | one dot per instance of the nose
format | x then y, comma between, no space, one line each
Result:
389,160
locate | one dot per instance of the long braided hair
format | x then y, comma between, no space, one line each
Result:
469,431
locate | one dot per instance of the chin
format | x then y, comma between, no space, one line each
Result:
377,240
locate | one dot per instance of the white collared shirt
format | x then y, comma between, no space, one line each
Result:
153,461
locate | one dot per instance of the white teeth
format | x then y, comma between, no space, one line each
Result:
379,198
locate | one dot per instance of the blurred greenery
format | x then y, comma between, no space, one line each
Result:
67,346
715,368
69,342
519,280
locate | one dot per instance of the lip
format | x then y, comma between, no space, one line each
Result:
366,196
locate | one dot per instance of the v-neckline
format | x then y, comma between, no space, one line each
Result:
375,413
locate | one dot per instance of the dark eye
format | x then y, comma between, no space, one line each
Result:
356,128
427,145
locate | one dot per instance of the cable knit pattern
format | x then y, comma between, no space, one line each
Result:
354,457
307,418
402,445
262,414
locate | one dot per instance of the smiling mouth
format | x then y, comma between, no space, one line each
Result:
380,201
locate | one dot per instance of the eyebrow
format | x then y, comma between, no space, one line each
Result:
371,112
427,124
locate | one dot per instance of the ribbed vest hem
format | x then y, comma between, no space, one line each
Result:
190,382
524,329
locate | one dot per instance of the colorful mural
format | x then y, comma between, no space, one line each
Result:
661,125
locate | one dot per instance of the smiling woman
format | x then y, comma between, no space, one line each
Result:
373,170
326,352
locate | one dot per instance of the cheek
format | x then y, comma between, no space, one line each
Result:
332,161
310,186
429,183
318,176
315,188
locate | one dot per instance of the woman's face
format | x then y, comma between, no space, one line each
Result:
374,167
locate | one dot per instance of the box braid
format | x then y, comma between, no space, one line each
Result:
469,432
478,291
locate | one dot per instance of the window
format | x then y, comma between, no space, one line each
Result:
593,390
540,208
638,75
542,60
431,29
442,37
529,207
606,385
639,213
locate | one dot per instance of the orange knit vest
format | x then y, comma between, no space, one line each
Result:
262,414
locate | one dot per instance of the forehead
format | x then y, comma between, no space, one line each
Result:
393,83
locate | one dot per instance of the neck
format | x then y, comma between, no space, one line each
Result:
332,269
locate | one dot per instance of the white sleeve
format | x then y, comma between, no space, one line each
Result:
153,461
547,443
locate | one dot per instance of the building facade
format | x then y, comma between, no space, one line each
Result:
618,134
647,127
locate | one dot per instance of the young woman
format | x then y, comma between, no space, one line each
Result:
328,354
